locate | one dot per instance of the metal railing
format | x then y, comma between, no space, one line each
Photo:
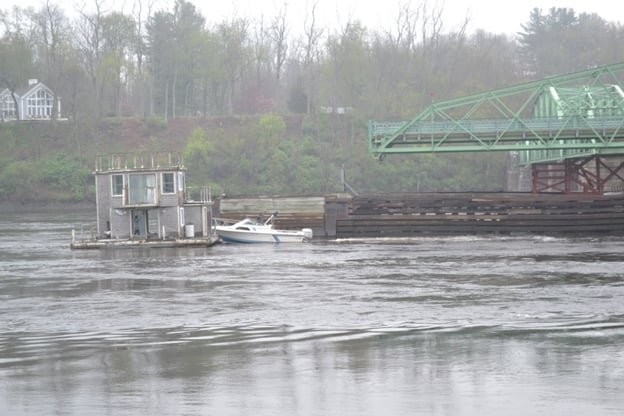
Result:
500,128
138,161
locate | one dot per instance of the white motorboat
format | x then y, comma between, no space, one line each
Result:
254,231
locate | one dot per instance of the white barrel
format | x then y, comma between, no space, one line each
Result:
190,230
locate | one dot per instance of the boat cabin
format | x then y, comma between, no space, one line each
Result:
144,197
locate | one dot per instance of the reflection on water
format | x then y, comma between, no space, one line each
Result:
461,326
283,371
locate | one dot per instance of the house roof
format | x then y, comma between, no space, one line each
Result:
24,92
4,92
28,90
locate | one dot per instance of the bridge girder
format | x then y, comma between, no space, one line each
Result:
504,120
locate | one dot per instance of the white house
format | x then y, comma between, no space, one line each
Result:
35,102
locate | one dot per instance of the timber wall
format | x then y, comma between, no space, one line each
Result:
295,212
482,213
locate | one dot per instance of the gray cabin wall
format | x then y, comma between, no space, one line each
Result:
103,192
169,222
114,215
200,216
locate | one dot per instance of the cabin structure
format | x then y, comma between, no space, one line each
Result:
142,199
34,102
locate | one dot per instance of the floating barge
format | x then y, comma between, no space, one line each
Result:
142,201
78,243
400,215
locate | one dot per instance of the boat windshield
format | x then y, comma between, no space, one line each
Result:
249,221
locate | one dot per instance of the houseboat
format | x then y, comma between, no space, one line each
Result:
142,201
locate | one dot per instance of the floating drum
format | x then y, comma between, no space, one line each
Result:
190,230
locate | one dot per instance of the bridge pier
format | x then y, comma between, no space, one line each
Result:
588,175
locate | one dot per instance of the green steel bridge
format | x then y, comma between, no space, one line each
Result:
558,125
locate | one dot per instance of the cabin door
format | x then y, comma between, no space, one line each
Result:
139,224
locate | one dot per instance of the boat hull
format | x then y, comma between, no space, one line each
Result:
253,231
248,237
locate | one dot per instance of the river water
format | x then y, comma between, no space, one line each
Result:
520,325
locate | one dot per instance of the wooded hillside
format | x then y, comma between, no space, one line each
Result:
256,108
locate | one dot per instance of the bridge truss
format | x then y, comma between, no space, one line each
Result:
565,127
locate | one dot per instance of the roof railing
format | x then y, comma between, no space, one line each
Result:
138,161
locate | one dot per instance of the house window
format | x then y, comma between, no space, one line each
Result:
7,107
117,181
168,184
141,189
39,105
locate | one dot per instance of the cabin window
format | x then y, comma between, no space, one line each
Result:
180,181
117,181
141,189
168,184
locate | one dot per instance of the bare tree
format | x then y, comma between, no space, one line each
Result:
16,57
406,22
52,29
312,38
234,38
88,37
278,33
141,11
262,52
431,26
49,20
